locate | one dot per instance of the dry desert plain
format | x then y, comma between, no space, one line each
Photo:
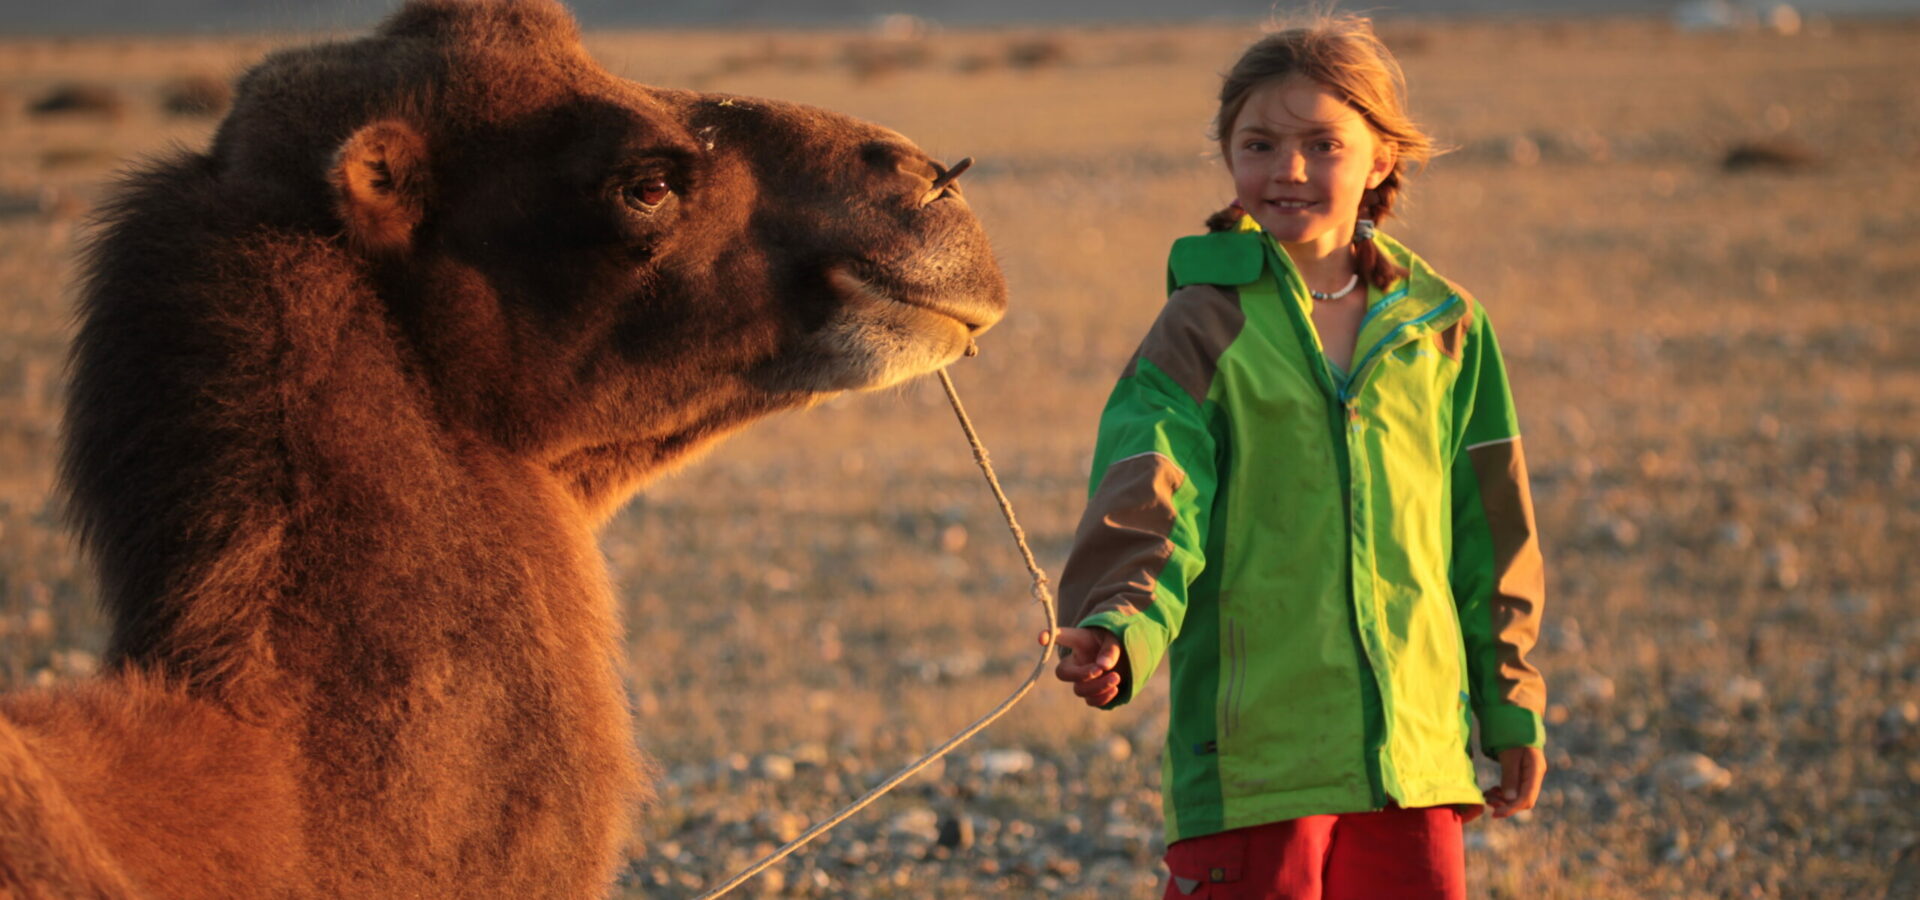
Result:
1718,371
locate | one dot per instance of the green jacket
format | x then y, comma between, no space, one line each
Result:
1340,569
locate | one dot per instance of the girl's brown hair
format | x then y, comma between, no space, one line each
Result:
1342,54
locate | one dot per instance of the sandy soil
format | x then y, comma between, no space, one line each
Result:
1718,373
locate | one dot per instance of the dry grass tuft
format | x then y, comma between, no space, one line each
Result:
1037,52
196,95
79,99
1779,154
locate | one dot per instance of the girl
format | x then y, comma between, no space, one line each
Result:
1309,495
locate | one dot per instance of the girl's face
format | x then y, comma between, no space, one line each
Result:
1301,160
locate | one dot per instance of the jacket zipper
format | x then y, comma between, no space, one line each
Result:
1342,413
1357,378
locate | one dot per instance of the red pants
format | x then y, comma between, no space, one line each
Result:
1393,853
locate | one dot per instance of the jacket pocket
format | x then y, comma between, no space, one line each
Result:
1233,675
1208,867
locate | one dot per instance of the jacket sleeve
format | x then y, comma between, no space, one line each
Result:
1498,579
1142,538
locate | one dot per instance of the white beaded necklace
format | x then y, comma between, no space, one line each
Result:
1351,282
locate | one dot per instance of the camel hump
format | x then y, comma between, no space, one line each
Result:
46,848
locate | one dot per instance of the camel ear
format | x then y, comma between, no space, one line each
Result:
379,181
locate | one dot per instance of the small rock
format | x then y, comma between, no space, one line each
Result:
1064,866
774,767
956,832
1783,565
1742,691
964,664
1001,763
1736,535
1899,725
1693,772
75,663
1622,532
953,538
1593,688
1674,848
1566,635
1522,150
812,753
1855,603
779,827
1573,425
919,824
1116,747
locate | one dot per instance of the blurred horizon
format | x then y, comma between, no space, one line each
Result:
220,17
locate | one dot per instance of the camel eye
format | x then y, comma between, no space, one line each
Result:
647,194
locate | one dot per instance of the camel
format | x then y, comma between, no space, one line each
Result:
351,391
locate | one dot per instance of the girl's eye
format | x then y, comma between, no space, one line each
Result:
1326,146
1258,146
647,193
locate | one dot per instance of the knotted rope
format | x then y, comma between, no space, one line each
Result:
1040,596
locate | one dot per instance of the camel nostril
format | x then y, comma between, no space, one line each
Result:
945,181
949,176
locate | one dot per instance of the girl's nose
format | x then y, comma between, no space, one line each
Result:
1293,168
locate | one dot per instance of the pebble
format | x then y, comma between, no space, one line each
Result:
1693,772
920,824
1622,532
1116,747
953,538
812,753
1783,565
1742,691
1001,763
956,831
1593,688
1736,535
779,827
774,767
1899,725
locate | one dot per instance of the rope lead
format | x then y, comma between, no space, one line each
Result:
1040,596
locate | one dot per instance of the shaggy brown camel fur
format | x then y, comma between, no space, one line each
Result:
351,391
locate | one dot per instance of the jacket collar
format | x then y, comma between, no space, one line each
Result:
1417,304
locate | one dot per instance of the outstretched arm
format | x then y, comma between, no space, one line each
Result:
1143,536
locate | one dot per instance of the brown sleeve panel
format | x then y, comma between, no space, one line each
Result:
1454,336
1520,580
1196,326
1123,541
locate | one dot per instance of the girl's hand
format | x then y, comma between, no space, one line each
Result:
1521,769
1095,665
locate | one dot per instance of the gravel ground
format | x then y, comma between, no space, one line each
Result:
1718,371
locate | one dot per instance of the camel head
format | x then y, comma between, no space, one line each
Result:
599,274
